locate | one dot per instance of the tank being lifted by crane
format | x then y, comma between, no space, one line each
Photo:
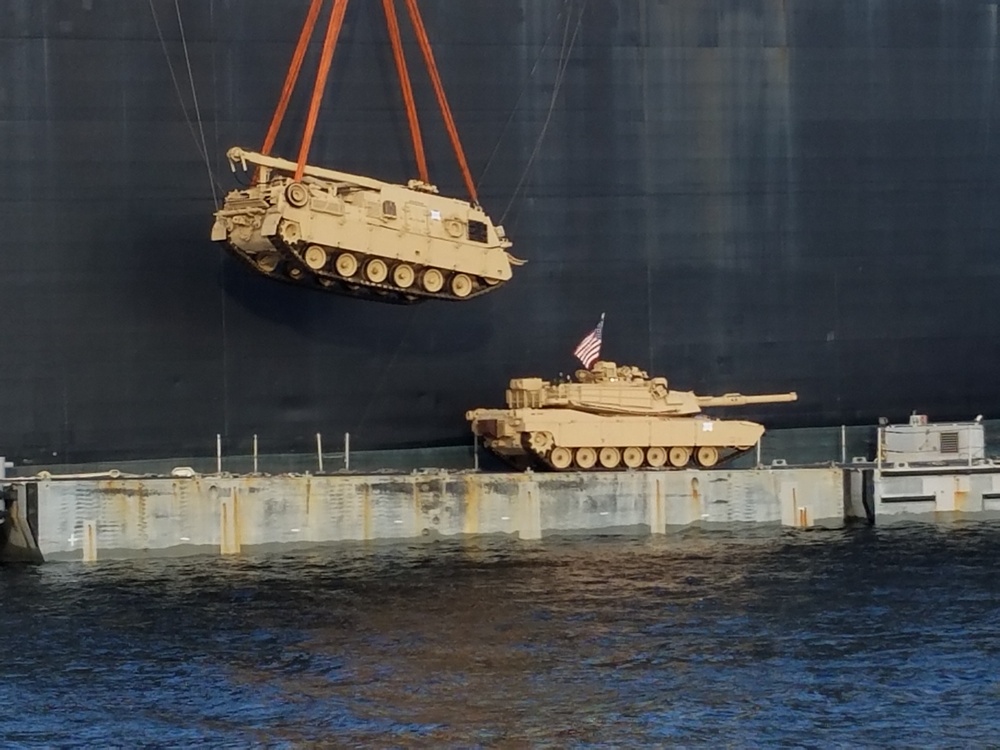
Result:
610,417
354,234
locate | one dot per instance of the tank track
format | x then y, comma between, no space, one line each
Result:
303,281
544,461
356,285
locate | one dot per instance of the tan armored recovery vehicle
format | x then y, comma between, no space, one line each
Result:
610,417
354,234
360,236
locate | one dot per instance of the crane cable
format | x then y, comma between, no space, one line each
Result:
326,56
449,121
290,79
200,145
389,6
520,96
564,57
194,97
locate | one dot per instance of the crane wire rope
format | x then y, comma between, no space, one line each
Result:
564,56
194,97
202,150
524,88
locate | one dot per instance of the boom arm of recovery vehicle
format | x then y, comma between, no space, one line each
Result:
265,164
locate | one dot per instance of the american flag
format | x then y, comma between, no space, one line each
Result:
589,349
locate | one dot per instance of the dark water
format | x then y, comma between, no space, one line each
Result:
865,637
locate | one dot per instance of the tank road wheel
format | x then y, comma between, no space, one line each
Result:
707,456
403,276
632,457
432,280
586,458
315,257
609,457
297,194
679,457
656,457
461,285
347,265
376,271
561,457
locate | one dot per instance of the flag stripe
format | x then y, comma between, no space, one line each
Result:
589,349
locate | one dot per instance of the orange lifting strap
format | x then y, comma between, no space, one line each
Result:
329,43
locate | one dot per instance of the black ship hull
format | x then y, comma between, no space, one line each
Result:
762,196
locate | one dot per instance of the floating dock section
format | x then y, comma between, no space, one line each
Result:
107,517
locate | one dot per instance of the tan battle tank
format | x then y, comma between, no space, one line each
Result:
360,236
612,416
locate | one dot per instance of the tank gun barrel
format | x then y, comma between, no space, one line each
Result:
738,399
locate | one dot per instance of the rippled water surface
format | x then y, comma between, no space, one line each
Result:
850,638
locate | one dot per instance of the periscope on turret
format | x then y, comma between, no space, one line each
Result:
360,236
611,417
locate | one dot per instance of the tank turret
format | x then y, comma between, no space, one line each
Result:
611,416
610,389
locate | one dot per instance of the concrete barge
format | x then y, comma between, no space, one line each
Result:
938,472
112,516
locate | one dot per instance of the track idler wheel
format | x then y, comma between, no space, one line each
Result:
609,457
403,276
268,262
656,457
432,280
561,458
707,456
315,257
632,457
461,285
347,265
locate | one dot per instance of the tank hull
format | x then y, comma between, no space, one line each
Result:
520,435
788,195
361,237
